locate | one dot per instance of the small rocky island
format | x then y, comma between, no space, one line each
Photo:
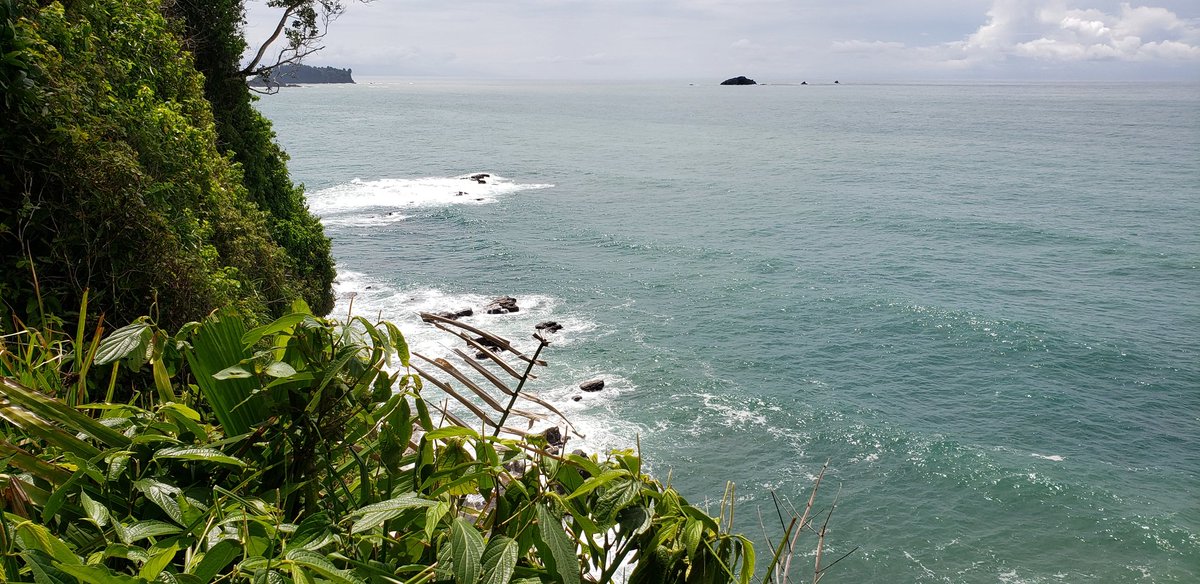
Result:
291,75
739,80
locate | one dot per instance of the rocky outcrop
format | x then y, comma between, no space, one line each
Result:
592,385
739,80
548,326
502,305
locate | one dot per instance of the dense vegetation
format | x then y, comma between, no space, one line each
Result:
303,451
114,180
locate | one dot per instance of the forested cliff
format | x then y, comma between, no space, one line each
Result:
126,172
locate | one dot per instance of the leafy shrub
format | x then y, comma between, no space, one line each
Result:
305,451
111,178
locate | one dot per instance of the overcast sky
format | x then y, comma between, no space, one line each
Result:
768,40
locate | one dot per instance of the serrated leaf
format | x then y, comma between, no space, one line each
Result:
321,565
215,560
159,559
198,453
31,536
373,516
499,560
123,342
162,495
143,529
634,520
466,549
433,515
690,537
96,512
557,549
616,497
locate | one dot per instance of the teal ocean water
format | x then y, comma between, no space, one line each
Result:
980,303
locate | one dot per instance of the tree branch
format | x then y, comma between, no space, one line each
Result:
262,50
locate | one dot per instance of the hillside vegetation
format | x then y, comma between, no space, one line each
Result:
117,179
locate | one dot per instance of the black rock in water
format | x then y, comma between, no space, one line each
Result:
553,436
592,385
549,326
739,80
502,305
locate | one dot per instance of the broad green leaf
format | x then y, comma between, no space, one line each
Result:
321,565
499,560
123,342
31,536
162,495
556,548
279,369
434,515
281,324
616,497
98,574
690,537
451,432
96,512
159,559
373,516
597,481
215,559
232,372
634,520
398,343
43,569
313,533
466,548
143,529
198,453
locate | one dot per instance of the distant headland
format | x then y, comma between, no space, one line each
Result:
289,75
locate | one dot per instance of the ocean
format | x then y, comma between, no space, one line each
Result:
980,303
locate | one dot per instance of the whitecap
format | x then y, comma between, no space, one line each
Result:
591,415
358,197
1054,457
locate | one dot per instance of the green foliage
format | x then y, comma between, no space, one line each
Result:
307,489
214,34
112,179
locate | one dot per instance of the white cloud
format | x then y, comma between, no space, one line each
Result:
1052,33
1073,34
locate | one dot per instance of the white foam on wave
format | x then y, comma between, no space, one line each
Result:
388,194
591,415
1054,457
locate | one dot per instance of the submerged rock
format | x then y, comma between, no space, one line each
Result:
592,385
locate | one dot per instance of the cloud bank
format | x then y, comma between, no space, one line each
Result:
1053,33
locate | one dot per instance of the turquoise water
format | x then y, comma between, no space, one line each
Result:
980,303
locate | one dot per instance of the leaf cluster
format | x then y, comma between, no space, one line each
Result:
114,178
304,450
